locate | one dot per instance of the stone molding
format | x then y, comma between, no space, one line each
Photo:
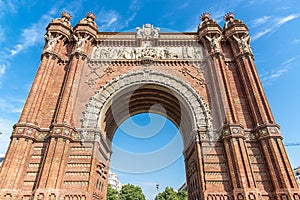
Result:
201,114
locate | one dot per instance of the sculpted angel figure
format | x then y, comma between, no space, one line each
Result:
139,32
80,42
51,41
155,32
243,42
214,42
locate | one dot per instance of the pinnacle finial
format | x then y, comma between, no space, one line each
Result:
205,16
229,16
66,15
91,15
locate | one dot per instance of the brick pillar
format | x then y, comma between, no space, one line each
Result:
194,169
281,173
241,174
267,132
63,133
240,171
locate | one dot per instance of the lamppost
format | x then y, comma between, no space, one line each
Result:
157,187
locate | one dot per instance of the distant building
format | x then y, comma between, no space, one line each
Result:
183,188
297,174
1,159
113,180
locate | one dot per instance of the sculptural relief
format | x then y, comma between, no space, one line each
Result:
214,43
51,41
243,42
133,53
80,42
147,32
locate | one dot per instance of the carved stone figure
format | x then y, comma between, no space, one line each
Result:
155,32
147,32
198,53
170,54
243,42
51,41
96,53
214,43
104,53
127,53
80,42
139,32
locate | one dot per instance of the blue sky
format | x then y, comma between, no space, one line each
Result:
275,39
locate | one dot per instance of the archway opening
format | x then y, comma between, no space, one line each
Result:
148,92
147,98
138,113
147,151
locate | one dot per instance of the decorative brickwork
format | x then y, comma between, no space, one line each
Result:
89,82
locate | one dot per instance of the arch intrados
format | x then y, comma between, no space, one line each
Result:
175,107
193,105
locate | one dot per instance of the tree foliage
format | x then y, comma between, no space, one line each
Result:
111,194
171,194
131,192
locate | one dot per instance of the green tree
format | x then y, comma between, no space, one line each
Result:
131,192
183,195
171,194
111,194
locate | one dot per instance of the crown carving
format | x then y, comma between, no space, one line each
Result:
66,15
91,15
205,16
229,16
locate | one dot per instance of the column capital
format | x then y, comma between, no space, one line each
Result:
232,131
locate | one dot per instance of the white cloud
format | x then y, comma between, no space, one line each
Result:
2,34
272,25
6,126
286,19
108,20
135,5
297,41
273,75
2,69
12,106
268,77
12,6
2,72
17,49
192,28
32,35
288,61
184,5
260,34
218,15
6,6
112,20
260,21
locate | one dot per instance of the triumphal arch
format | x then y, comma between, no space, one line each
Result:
89,82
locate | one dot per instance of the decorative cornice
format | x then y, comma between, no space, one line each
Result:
54,56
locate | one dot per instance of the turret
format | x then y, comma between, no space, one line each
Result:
210,33
58,35
85,33
236,32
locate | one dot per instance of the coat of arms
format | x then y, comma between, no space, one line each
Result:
147,32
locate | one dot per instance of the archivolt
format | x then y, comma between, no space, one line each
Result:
174,90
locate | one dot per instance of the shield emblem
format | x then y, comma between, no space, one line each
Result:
147,31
